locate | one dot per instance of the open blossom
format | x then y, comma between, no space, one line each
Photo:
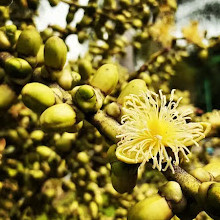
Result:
152,128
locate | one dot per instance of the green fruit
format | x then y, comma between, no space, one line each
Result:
154,207
55,52
106,78
85,68
18,70
37,96
4,42
7,97
60,117
29,42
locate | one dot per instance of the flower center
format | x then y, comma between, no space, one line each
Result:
161,130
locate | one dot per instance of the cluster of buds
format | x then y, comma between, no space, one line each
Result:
76,136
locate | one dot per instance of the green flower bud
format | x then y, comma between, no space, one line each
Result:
7,97
106,78
171,191
83,157
64,143
4,13
10,31
22,132
82,36
54,2
18,70
113,110
55,52
213,168
137,23
146,77
201,174
69,17
60,117
94,209
40,56
4,42
68,80
111,157
136,86
36,174
85,68
123,176
29,42
37,96
88,99
154,207
209,194
46,33
202,192
37,135
45,152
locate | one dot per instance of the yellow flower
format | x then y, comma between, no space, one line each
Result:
153,128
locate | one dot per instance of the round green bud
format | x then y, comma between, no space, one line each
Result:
201,174
113,110
123,184
69,17
69,79
18,70
136,86
146,77
154,207
209,193
60,117
55,52
123,176
37,135
202,192
7,97
88,99
29,42
83,157
37,96
85,68
137,23
45,151
106,78
94,209
171,191
213,168
54,2
64,143
4,42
